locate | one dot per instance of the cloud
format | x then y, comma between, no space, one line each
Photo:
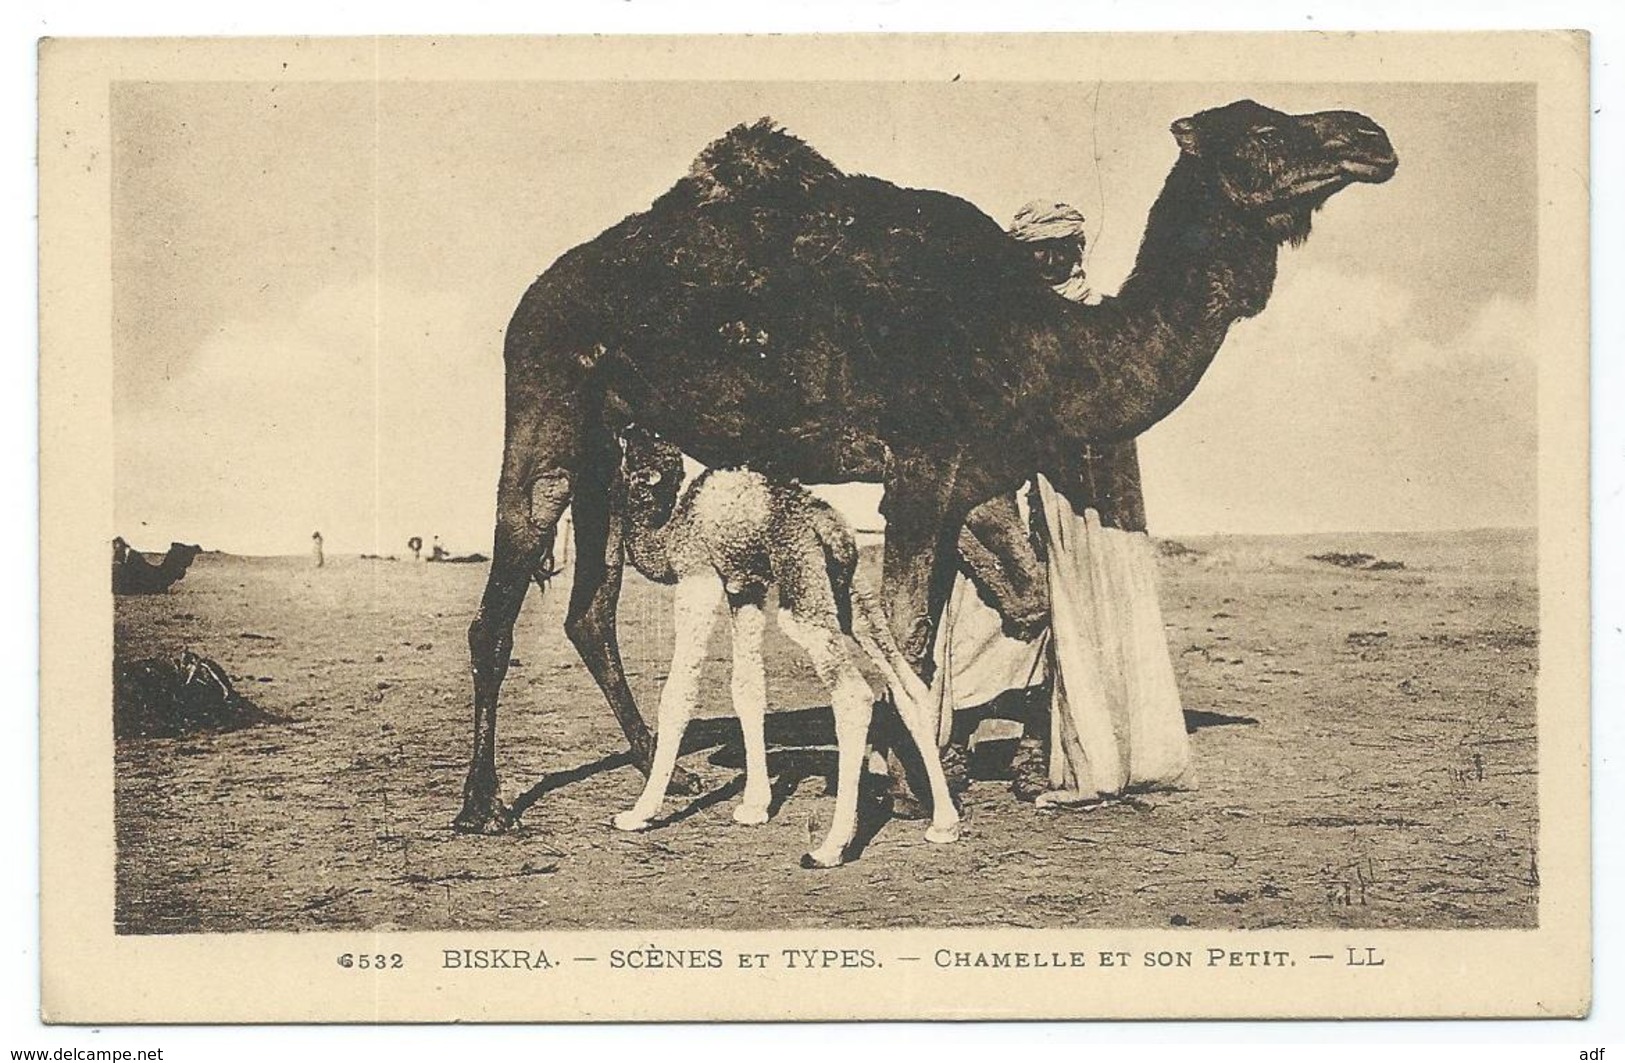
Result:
372,414
1328,411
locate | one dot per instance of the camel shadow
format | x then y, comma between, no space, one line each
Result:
801,746
557,780
1200,719
793,732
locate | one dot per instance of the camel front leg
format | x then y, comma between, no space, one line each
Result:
922,727
594,594
694,615
918,569
996,552
917,577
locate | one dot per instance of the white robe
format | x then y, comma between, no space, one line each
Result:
1115,717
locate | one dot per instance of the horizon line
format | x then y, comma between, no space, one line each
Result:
872,532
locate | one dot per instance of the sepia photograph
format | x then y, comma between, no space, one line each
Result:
924,515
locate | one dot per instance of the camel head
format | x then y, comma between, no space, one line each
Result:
1277,169
654,476
183,553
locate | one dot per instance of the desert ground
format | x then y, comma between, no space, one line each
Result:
1364,744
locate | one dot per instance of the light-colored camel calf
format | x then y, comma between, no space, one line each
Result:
731,536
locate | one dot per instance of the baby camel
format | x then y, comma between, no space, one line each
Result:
733,534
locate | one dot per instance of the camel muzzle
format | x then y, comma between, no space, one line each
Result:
1360,146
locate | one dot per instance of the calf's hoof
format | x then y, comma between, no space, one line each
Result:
630,821
943,835
820,861
750,815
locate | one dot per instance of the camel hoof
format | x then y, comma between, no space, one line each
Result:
488,816
750,816
630,821
943,835
814,862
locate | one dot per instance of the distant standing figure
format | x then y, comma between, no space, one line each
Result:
437,552
415,544
316,548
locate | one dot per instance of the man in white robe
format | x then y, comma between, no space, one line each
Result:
1115,721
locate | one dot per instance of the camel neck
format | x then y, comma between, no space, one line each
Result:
1134,358
1199,265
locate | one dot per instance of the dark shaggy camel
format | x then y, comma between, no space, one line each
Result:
770,310
134,574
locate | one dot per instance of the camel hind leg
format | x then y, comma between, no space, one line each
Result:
526,517
595,590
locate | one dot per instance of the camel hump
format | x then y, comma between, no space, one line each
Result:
758,157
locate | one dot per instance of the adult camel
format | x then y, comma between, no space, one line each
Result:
771,310
134,574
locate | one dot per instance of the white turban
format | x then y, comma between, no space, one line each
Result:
1046,219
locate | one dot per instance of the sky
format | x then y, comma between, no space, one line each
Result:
311,283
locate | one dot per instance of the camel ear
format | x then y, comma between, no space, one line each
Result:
1184,131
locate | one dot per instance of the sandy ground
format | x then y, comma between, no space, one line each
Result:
1364,745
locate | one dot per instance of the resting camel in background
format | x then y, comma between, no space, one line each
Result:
134,574
770,310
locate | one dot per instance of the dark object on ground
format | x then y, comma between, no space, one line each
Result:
134,574
458,559
168,697
379,557
1175,548
1362,562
